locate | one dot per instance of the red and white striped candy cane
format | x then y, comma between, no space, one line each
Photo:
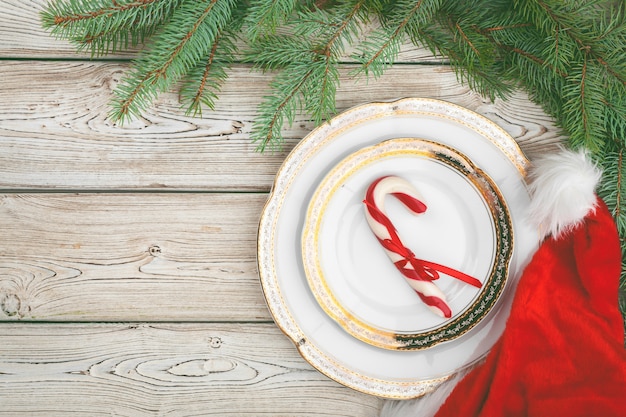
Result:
418,273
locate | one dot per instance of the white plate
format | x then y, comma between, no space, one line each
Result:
320,341
466,227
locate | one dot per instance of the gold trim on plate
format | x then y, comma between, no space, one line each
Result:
295,165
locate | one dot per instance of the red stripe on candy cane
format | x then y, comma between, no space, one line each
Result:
418,272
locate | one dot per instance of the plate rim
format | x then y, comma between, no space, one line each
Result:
493,284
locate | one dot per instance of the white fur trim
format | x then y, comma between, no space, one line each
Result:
562,188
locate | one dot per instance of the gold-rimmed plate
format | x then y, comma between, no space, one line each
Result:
321,342
467,227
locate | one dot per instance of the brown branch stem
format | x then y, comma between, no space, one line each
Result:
63,20
395,34
281,106
160,72
207,69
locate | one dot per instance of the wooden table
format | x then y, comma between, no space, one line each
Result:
128,278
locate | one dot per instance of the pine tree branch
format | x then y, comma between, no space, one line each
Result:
583,109
610,70
203,90
160,72
320,36
613,187
517,50
550,13
205,74
613,191
454,34
391,39
278,108
618,187
330,52
330,44
533,58
574,31
180,47
115,7
381,51
504,27
458,28
203,82
265,16
100,26
592,52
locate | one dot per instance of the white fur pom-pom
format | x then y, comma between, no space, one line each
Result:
562,188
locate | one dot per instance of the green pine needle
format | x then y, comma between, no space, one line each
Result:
266,16
381,49
282,106
203,82
613,191
309,60
105,26
181,45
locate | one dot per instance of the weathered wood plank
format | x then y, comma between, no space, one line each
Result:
120,257
164,369
21,36
54,132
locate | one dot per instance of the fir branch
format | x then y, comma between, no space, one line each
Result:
573,52
311,57
182,44
618,69
525,42
272,52
65,13
381,49
341,29
579,103
320,97
280,106
613,186
464,38
345,23
593,28
613,191
203,82
265,16
615,110
104,26
483,78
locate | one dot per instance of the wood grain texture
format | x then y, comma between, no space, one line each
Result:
174,258
54,132
22,36
142,370
112,257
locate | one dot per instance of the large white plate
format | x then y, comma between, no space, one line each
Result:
320,341
466,227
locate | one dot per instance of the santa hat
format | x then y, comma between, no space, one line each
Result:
562,350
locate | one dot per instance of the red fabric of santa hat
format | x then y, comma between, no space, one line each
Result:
562,351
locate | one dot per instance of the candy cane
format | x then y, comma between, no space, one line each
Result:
418,273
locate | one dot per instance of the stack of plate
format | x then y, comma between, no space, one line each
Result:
327,281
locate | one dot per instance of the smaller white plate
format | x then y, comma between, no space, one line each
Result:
321,342
467,227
